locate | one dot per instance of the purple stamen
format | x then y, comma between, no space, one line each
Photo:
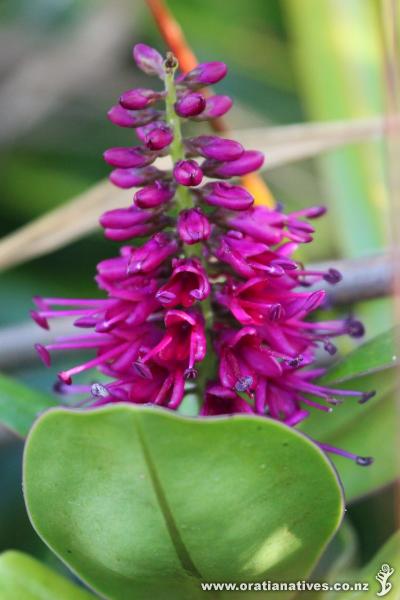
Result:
363,461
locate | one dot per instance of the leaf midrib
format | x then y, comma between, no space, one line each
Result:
182,552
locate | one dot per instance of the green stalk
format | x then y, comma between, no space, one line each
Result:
184,201
183,198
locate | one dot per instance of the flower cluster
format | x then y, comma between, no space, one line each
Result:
212,297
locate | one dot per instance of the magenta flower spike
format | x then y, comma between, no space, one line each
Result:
212,292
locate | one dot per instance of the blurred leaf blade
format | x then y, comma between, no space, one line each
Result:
23,577
361,428
389,554
20,405
338,56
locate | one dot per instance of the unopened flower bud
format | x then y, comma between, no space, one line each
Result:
227,195
193,226
148,60
126,118
216,106
205,74
190,105
158,137
153,195
128,157
153,253
249,161
214,147
138,98
128,178
188,173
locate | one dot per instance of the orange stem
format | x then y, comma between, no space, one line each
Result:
172,34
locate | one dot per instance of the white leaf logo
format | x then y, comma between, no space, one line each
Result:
383,575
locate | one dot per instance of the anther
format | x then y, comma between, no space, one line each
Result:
99,391
191,373
333,276
243,383
364,461
367,396
355,328
330,348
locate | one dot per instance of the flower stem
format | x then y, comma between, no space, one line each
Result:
184,201
183,198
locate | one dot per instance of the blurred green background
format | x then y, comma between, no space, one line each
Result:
63,63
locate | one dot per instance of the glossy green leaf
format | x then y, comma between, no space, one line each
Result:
20,405
389,555
25,578
361,428
143,503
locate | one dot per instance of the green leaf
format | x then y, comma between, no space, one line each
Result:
360,428
374,356
20,406
143,503
25,578
389,554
